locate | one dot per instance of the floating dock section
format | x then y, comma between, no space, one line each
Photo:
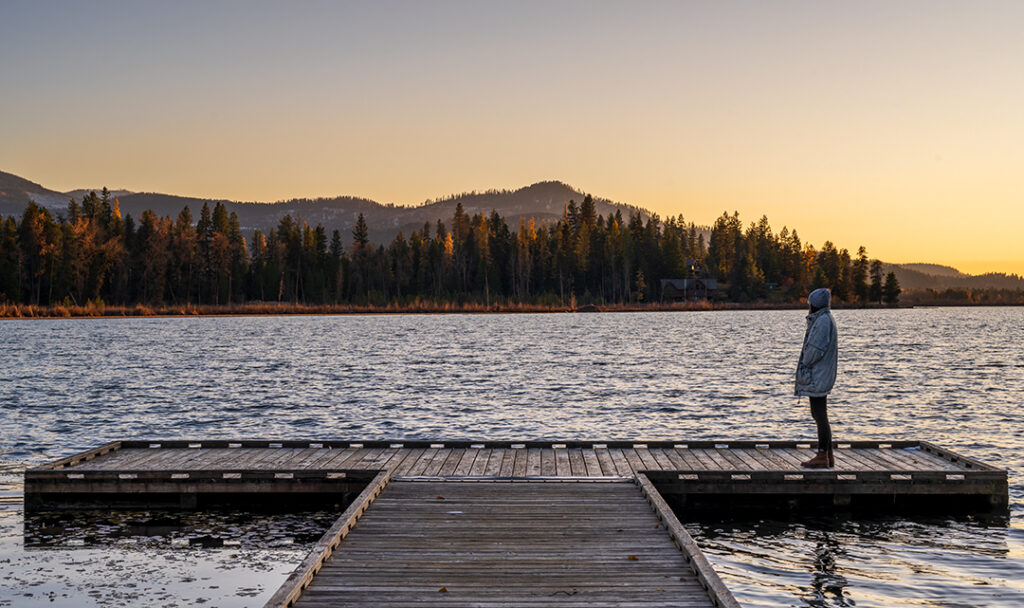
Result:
461,523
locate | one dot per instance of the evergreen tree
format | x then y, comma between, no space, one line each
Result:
861,268
891,289
360,233
875,290
10,261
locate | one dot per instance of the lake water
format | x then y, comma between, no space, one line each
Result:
952,376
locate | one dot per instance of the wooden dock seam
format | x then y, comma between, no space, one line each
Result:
300,578
719,593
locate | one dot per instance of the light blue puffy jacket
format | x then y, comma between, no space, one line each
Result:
819,357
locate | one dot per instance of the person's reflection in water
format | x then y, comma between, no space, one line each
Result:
826,585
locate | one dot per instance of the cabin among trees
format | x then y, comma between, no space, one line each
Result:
688,290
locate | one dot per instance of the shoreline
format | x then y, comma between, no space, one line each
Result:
14,312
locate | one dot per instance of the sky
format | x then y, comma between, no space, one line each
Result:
894,125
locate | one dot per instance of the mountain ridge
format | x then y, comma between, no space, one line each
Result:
543,200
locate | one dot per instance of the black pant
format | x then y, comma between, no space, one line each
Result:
819,411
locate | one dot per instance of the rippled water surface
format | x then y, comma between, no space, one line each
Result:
952,376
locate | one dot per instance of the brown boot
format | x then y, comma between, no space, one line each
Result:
831,458
820,461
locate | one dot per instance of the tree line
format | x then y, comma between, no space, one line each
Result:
90,253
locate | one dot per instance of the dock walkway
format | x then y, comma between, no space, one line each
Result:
498,544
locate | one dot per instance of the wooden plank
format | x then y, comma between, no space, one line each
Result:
480,463
158,459
713,459
635,463
547,462
691,461
466,462
591,463
496,459
664,463
533,461
452,462
620,461
648,460
793,456
736,462
908,459
769,460
608,467
411,460
856,460
873,460
342,458
364,458
519,466
437,464
562,462
188,458
145,458
397,456
508,462
577,466
422,461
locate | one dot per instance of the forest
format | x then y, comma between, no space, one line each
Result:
92,255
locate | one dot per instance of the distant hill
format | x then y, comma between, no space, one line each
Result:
541,201
934,276
937,270
544,200
15,192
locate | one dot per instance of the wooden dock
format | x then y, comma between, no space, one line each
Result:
187,472
495,524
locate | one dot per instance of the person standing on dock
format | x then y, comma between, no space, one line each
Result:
816,371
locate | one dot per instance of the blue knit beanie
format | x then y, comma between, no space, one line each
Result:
820,298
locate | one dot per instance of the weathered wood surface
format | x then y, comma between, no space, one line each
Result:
502,543
504,459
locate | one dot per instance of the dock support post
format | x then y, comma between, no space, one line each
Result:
841,500
1000,503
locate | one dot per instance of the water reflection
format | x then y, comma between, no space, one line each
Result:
827,562
827,585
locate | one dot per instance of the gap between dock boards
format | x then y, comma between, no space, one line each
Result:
482,542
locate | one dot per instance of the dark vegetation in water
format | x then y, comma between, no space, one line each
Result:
92,256
165,529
